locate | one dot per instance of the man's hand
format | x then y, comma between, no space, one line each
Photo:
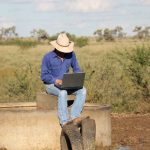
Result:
58,82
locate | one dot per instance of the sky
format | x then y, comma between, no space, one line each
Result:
80,17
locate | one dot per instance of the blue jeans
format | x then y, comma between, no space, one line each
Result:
76,108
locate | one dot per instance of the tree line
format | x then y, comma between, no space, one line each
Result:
6,33
118,32
106,34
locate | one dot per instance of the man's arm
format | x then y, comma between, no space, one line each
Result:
74,64
46,75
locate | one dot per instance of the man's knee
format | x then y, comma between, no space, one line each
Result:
63,93
82,91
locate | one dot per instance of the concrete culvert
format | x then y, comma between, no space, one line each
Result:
88,132
71,138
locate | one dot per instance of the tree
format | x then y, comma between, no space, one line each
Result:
108,36
11,32
142,33
71,37
2,33
99,34
8,33
119,32
146,32
39,34
138,29
114,33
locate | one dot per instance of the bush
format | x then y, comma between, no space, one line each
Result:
82,41
137,66
22,84
98,39
106,83
108,36
26,44
23,44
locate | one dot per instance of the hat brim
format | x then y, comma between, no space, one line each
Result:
66,49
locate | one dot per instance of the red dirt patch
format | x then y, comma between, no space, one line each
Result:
131,130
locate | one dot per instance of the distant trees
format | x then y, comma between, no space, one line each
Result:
39,34
72,37
119,32
99,34
79,41
109,34
7,33
142,33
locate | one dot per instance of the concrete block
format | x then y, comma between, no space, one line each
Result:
29,130
101,115
46,101
49,102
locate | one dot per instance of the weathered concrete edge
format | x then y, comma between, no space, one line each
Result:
34,105
18,104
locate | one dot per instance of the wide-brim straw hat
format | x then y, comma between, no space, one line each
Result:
63,44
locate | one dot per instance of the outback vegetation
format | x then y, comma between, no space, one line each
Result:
117,67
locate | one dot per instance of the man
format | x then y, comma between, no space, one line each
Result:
54,65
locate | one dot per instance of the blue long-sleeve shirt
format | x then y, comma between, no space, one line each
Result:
53,67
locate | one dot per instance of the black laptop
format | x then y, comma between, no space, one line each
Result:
72,81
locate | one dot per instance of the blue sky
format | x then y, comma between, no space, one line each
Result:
80,17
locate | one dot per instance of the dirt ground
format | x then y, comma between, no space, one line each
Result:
131,130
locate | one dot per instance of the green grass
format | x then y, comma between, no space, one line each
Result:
107,80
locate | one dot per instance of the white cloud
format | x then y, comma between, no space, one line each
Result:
90,5
45,5
75,5
40,5
146,2
68,5
14,1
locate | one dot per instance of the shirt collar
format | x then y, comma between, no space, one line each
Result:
54,54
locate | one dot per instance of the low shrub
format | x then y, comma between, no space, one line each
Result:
81,41
136,64
23,44
22,84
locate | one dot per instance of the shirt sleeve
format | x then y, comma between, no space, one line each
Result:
74,64
46,75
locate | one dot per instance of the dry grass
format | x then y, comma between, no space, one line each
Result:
106,80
